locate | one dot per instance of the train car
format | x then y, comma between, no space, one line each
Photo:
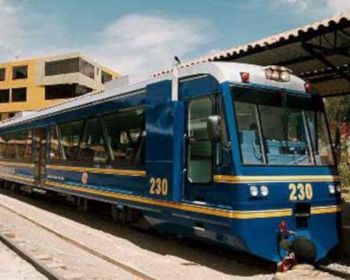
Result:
235,154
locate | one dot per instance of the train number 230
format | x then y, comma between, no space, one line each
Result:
158,186
300,191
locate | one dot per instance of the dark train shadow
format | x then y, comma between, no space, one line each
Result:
341,254
194,253
346,213
344,256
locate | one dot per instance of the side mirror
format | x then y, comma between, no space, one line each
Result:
214,127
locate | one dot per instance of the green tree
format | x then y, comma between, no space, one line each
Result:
338,112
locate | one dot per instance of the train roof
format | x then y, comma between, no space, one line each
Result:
221,71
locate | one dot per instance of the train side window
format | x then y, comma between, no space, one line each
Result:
2,146
54,153
126,137
16,146
199,155
70,138
92,147
10,150
20,140
29,146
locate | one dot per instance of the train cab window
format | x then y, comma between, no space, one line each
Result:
126,137
248,133
92,147
70,137
320,138
199,155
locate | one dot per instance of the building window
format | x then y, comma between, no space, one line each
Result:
86,68
65,91
64,66
2,74
4,96
105,77
20,72
71,65
19,94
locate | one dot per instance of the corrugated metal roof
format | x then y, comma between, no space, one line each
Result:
302,49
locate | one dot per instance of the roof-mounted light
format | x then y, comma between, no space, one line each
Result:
278,73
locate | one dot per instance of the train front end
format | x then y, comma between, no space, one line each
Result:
286,182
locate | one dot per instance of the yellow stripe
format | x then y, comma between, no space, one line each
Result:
186,206
326,209
267,179
16,164
110,171
10,176
180,205
217,178
199,209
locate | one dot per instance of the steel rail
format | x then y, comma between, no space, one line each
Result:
87,249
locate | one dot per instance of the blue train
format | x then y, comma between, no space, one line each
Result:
230,153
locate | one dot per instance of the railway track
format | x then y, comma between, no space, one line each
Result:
335,272
166,258
39,262
122,265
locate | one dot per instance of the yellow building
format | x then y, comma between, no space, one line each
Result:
31,84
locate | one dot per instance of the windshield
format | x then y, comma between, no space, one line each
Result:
281,129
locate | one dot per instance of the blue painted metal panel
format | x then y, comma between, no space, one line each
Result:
164,138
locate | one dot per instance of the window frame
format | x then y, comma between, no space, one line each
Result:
13,91
114,163
262,137
16,68
2,74
2,91
110,163
12,137
213,100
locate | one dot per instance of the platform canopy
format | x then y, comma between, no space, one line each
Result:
318,52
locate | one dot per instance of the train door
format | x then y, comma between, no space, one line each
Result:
199,148
39,139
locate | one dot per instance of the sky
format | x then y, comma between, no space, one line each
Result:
142,36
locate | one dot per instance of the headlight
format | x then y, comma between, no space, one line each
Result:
331,189
285,76
264,190
275,75
338,188
253,191
269,73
